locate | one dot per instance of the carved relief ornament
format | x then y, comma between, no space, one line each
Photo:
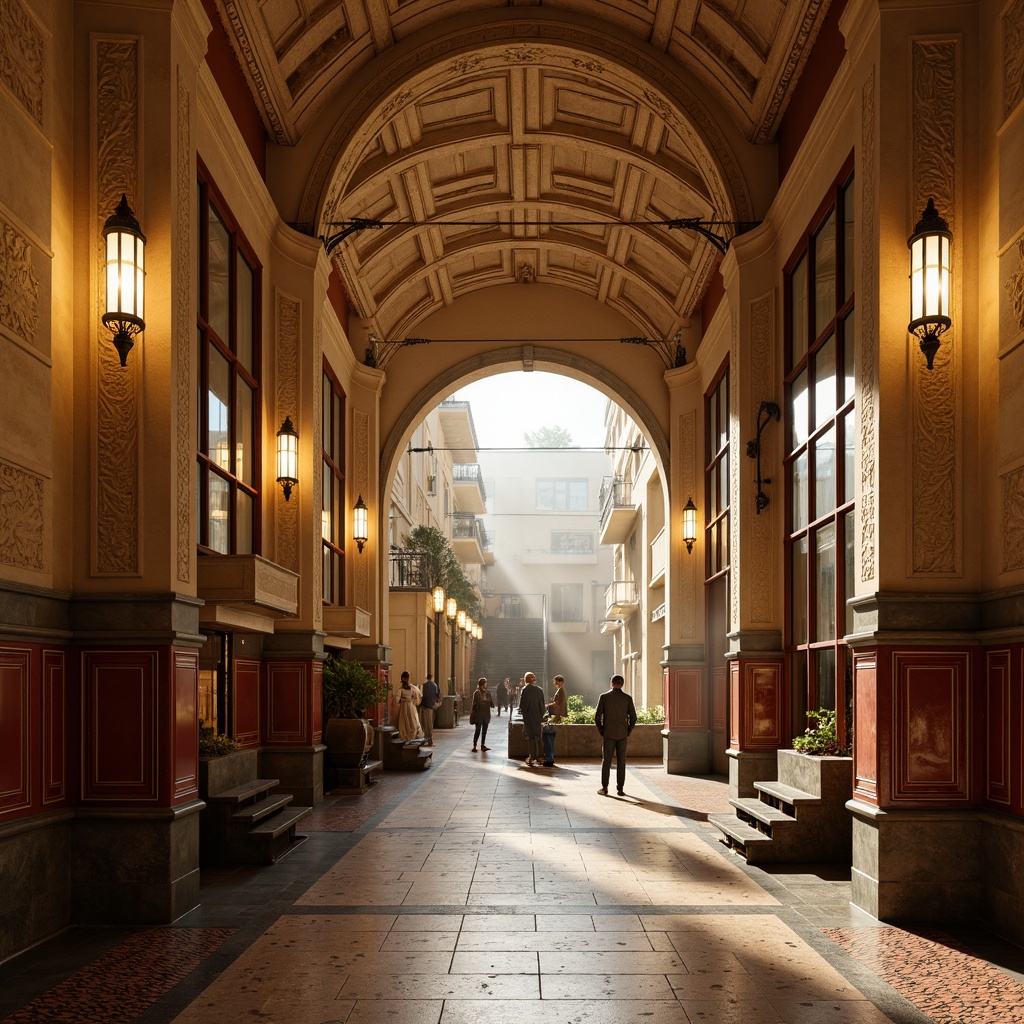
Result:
19,285
22,57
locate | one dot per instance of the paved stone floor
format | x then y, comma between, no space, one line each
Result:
485,892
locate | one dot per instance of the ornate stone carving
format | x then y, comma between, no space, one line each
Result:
19,286
1013,519
318,470
185,331
760,581
116,466
735,446
22,518
22,57
288,324
1013,56
866,299
1015,285
361,476
935,475
264,98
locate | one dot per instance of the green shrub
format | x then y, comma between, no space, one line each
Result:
583,714
651,716
821,738
349,689
212,745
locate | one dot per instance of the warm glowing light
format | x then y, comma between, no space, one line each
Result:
451,608
124,273
287,457
689,524
460,619
438,600
360,523
929,280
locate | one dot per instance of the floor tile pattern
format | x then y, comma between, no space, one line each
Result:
119,986
939,975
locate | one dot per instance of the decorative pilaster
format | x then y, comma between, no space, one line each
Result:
184,333
289,313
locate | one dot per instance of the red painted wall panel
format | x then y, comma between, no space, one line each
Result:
120,706
16,728
688,701
999,720
287,714
53,753
247,702
865,728
185,741
931,727
765,708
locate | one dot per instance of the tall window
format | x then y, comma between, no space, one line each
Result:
228,331
821,428
562,495
567,602
332,513
716,477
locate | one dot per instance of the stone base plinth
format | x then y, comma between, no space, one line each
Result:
300,771
686,753
749,766
585,741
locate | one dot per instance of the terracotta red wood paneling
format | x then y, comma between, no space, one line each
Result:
288,703
764,706
719,697
55,727
16,729
247,702
735,706
186,724
688,700
865,728
999,719
119,726
931,727
318,703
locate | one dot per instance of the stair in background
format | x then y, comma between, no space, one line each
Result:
403,757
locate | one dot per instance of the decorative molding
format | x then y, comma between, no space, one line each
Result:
866,298
19,285
935,87
1012,493
186,540
289,316
1012,35
22,57
684,608
361,478
760,581
116,455
22,518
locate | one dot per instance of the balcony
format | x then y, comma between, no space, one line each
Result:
406,571
659,549
245,592
618,512
347,622
469,540
621,599
459,430
468,487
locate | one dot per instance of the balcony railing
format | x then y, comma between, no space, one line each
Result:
615,493
621,597
469,527
469,473
407,571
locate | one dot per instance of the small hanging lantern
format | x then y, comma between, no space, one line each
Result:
929,281
689,524
287,457
124,272
360,523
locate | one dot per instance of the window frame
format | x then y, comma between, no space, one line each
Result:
802,653
208,339
717,523
332,589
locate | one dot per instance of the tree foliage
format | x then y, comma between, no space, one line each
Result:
548,437
441,567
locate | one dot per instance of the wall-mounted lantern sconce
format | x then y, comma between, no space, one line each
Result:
287,457
929,281
360,524
766,411
689,525
124,270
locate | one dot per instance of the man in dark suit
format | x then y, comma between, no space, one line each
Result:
615,719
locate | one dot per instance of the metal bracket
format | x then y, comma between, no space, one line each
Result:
767,411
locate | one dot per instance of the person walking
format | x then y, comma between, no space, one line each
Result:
480,715
557,709
429,700
408,721
502,695
531,710
615,718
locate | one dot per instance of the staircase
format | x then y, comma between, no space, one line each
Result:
799,819
248,825
403,757
511,647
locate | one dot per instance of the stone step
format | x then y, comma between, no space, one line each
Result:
749,842
786,794
764,817
272,827
245,792
252,813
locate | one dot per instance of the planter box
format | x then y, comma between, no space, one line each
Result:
585,741
217,774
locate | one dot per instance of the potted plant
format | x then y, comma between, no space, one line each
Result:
348,691
222,763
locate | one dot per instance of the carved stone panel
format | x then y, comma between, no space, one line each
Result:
867,294
22,57
1013,56
116,453
22,519
759,579
19,284
184,332
288,325
685,596
937,394
1012,493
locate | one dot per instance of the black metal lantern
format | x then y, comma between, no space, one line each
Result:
287,457
689,525
929,281
124,273
360,523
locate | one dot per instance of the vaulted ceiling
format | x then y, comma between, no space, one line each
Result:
519,142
